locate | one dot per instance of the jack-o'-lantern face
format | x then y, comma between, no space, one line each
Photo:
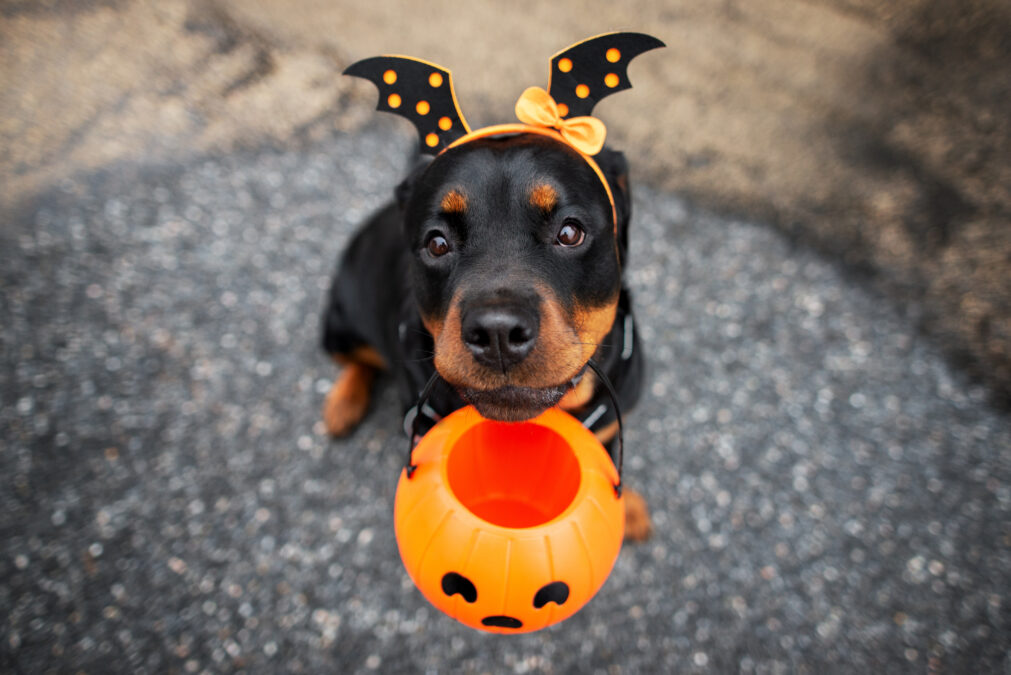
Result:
509,528
555,591
510,582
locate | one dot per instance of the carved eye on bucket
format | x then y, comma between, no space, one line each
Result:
556,592
453,583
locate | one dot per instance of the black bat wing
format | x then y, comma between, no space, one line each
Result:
419,91
595,68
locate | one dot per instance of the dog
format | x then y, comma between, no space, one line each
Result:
498,266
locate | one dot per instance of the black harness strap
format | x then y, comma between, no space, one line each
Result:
413,437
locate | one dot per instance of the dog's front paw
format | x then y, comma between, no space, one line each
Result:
348,400
638,526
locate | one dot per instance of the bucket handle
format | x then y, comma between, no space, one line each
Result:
617,415
410,466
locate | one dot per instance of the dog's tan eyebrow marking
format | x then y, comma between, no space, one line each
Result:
453,202
544,197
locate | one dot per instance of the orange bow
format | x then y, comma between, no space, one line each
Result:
536,107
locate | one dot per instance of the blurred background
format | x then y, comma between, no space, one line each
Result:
874,131
821,265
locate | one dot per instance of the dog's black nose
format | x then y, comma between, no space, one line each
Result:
499,336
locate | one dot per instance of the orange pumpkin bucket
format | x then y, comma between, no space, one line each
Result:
509,527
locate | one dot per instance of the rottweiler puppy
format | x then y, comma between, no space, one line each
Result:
498,265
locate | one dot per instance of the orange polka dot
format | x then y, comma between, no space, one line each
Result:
422,107
435,79
394,100
611,80
390,76
431,140
582,91
563,110
613,55
565,65
445,123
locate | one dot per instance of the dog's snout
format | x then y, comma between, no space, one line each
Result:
499,336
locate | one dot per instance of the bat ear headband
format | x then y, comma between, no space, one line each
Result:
581,75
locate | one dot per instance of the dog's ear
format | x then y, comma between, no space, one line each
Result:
615,168
404,191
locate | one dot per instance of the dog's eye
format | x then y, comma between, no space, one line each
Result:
438,246
571,234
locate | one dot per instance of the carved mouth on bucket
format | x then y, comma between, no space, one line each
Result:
501,622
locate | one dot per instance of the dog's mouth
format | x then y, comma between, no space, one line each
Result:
513,404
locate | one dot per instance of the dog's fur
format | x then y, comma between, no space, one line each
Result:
478,270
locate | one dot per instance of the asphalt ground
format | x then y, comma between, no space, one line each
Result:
827,495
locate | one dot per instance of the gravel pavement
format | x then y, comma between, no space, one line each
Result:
827,495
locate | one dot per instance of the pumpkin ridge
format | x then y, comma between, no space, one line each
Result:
586,552
466,564
508,558
435,535
551,574
592,499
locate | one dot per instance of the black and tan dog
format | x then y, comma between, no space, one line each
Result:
498,265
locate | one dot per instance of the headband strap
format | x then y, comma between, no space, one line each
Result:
504,129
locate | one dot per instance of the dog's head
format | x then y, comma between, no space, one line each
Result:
516,266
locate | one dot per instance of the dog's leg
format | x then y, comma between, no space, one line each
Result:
638,526
348,400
